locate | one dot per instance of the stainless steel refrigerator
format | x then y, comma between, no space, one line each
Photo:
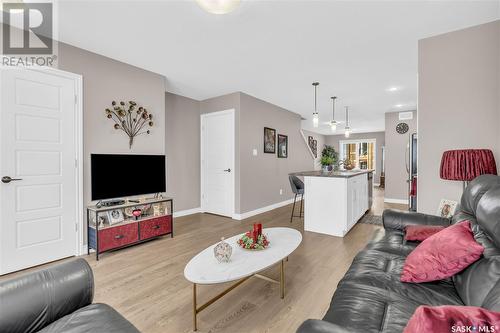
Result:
412,170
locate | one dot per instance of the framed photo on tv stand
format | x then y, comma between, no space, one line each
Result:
115,216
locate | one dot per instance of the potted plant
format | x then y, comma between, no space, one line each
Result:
328,158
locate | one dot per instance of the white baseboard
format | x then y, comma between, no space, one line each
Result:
187,212
237,216
83,251
396,201
263,209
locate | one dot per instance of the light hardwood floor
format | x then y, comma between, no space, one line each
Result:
146,284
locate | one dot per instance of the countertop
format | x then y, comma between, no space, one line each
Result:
335,174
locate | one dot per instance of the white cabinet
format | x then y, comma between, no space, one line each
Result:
333,205
357,194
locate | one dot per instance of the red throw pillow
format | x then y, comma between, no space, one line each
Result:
442,255
421,232
449,318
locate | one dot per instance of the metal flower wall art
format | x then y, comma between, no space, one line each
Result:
130,119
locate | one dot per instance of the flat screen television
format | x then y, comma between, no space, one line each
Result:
118,176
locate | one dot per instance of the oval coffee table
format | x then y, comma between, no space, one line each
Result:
244,264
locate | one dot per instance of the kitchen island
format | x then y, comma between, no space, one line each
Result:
335,201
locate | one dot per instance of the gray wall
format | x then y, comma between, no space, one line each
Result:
105,80
459,103
258,178
396,176
263,176
182,147
321,144
334,140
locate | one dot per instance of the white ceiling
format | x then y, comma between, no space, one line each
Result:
274,50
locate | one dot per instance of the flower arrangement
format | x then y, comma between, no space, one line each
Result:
348,164
254,239
130,119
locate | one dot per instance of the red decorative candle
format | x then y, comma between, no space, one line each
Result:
259,226
255,236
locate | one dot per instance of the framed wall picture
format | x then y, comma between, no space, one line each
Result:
269,140
115,216
447,208
310,140
315,148
282,146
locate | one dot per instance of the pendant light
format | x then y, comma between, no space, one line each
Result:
333,123
347,128
315,113
218,6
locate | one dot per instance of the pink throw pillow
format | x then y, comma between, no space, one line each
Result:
450,318
442,255
421,232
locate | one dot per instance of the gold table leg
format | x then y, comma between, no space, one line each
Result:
195,310
282,279
202,307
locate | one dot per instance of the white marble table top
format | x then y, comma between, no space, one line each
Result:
205,269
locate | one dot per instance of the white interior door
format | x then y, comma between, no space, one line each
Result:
38,150
217,160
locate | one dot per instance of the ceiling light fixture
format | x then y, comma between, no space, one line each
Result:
218,6
399,105
333,123
347,128
393,89
315,113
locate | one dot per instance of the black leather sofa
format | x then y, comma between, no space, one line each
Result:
371,297
57,299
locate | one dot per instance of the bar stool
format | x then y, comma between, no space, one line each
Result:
297,188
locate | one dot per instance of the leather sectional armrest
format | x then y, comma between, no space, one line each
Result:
321,326
34,300
398,220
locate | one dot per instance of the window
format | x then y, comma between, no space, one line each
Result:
361,152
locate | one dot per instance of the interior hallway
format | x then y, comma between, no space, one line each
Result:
379,205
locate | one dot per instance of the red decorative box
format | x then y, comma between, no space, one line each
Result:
156,227
111,238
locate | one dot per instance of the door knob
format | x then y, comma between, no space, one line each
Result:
227,170
7,179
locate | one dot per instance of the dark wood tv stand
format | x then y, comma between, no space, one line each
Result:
130,231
